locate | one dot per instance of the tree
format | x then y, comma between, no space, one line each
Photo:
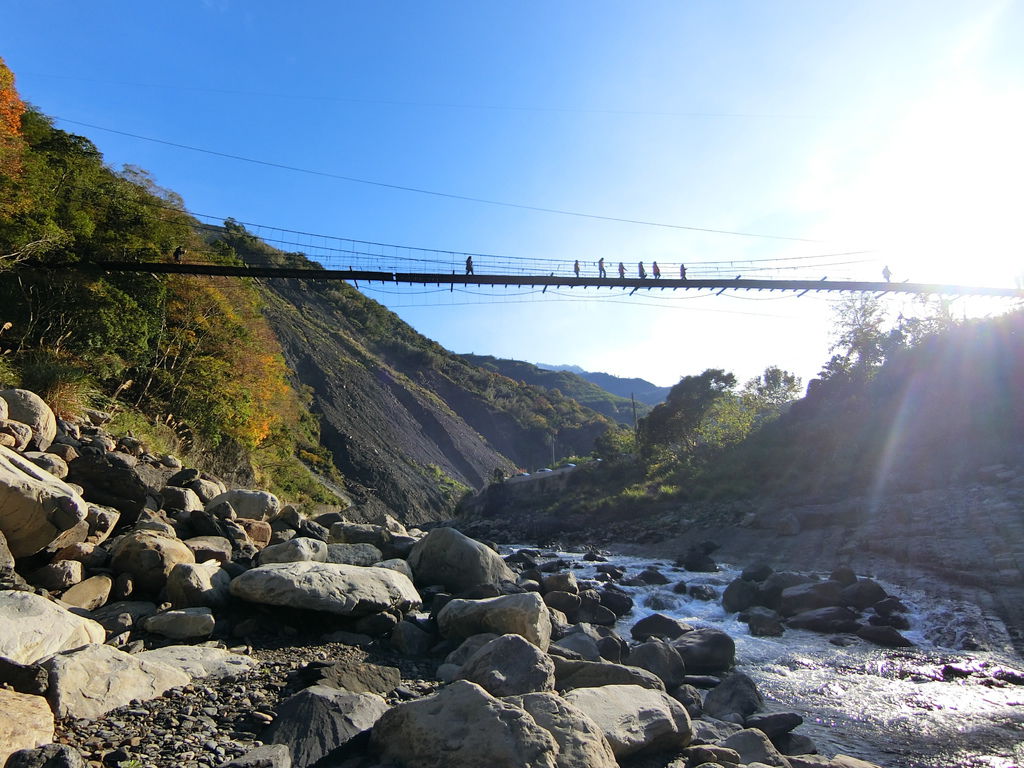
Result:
773,389
675,423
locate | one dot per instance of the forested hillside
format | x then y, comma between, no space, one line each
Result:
640,389
616,408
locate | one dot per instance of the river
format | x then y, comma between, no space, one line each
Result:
933,705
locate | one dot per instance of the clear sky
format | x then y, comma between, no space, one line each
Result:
889,131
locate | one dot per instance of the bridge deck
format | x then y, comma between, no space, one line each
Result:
636,283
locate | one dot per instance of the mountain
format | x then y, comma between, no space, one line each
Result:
568,383
643,390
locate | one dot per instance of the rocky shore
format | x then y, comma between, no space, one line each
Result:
152,617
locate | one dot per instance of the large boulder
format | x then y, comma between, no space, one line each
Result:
36,509
754,746
357,554
592,674
634,719
510,665
27,722
523,614
862,594
659,625
660,658
117,480
347,590
362,677
29,408
810,597
183,624
706,650
463,726
267,756
47,756
740,595
199,661
316,721
192,585
581,743
149,557
254,505
89,594
829,619
34,628
298,550
95,679
445,556
735,695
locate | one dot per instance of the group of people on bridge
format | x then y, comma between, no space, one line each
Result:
602,272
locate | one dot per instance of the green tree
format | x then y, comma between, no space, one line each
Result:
675,423
771,390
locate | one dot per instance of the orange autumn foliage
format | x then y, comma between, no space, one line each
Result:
12,145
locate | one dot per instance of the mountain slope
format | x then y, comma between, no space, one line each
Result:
586,393
641,389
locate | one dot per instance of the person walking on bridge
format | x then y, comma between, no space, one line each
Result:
600,268
469,265
622,271
887,273
641,271
682,271
576,267
179,252
655,269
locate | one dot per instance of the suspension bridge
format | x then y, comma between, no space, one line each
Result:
717,284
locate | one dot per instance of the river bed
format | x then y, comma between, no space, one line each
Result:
937,704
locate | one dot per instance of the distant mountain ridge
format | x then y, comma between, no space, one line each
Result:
643,390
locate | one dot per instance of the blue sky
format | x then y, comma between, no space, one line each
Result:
891,129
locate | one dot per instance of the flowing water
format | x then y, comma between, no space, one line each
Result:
923,707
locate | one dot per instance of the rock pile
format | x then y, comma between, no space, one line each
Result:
134,590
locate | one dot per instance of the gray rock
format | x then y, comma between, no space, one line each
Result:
883,635
184,624
581,743
829,619
593,674
510,665
754,746
23,678
523,614
775,724
360,554
347,590
445,556
36,508
89,594
27,722
706,650
149,558
28,408
198,661
708,730
58,575
210,548
395,564
34,628
659,625
463,726
560,582
122,615
763,622
205,488
362,677
809,597
316,721
180,499
344,532
297,550
862,594
660,658
690,698
736,695
194,585
50,462
409,640
267,756
47,756
254,505
740,595
95,679
634,719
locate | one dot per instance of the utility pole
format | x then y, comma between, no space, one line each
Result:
636,431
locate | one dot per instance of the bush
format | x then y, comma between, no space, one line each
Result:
60,380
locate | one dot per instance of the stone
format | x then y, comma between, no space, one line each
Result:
50,462
560,582
206,488
862,594
183,624
634,719
194,585
709,753
34,628
690,698
359,554
316,721
659,625
756,572
347,590
809,597
740,595
297,550
660,658
123,615
617,602
395,564
250,504
754,746
180,499
23,678
844,575
463,726
117,480
29,408
566,602
774,724
88,554
27,722
101,522
594,674
830,619
736,695
592,612
344,532
198,661
149,558
94,679
763,622
410,640
510,665
46,756
57,575
36,508
258,531
582,639
773,586
523,614
210,548
708,730
267,756
445,556
89,594
581,743
883,635
362,677
15,435
706,650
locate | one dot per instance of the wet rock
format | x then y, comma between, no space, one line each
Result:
457,726
775,724
561,582
524,614
706,650
617,602
862,594
661,659
774,585
634,719
36,508
34,627
659,625
884,635
809,597
703,592
27,722
581,743
445,556
763,622
510,665
346,590
756,572
591,674
735,695
831,619
318,720
844,575
740,595
754,746
95,679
